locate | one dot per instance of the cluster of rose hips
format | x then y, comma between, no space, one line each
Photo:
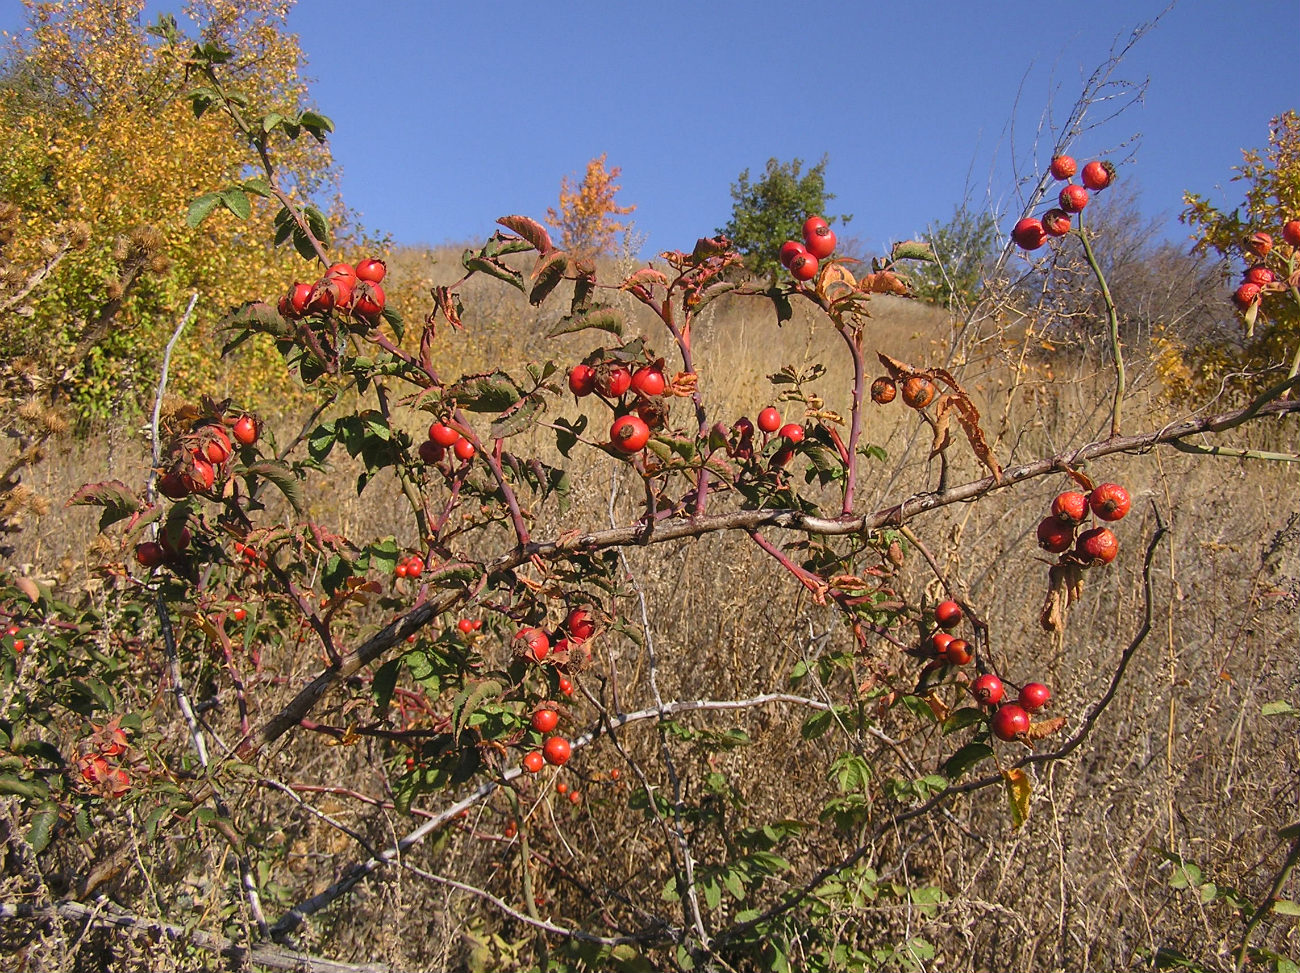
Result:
201,456
741,445
343,288
630,431
1031,232
441,438
18,644
1009,719
410,567
1258,277
536,644
801,259
100,765
1056,532
918,391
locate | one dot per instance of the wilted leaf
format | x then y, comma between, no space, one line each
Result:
547,274
117,499
1045,728
1064,586
530,230
492,267
959,401
1019,789
644,277
835,282
488,392
449,304
517,418
884,282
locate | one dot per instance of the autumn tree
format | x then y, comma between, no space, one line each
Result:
88,93
588,215
1267,346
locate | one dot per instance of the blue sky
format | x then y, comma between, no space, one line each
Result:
449,115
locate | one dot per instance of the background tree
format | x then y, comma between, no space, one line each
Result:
587,218
766,213
1269,340
89,93
964,248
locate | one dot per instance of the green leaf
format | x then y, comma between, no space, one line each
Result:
1285,907
318,225
1279,708
962,718
236,200
200,208
912,250
966,758
258,187
284,480
567,433
600,317
317,124
816,725
42,827
467,701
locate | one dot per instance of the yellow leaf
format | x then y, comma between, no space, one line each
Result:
1018,791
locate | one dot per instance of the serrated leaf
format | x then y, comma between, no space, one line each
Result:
488,392
236,200
547,274
601,318
1019,789
911,250
117,499
318,225
284,480
530,230
258,187
41,828
493,268
384,683
962,718
200,208
1285,907
467,702
518,418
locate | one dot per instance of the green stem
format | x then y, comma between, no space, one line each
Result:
1112,323
1266,906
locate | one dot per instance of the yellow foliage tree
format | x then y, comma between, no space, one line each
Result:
99,134
587,216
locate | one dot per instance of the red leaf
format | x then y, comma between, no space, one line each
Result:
530,230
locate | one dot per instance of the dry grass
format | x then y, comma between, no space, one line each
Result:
1181,762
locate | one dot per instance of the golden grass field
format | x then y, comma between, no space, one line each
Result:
1182,763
